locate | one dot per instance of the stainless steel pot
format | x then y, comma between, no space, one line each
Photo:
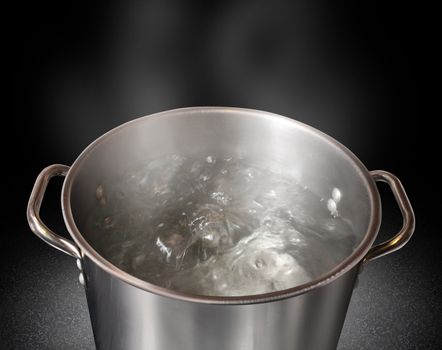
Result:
128,313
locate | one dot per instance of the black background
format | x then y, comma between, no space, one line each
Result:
353,70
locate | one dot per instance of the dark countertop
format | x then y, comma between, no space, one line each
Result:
396,304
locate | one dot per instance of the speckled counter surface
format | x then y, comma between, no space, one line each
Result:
396,305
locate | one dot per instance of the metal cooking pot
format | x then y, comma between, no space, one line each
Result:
128,313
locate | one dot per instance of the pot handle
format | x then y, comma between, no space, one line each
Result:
33,212
401,238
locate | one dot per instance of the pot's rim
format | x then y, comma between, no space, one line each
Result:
347,264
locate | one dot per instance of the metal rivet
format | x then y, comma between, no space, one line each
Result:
81,279
79,265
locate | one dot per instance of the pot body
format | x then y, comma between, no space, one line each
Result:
130,314
126,317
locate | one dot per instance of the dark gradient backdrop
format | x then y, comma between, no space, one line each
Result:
351,70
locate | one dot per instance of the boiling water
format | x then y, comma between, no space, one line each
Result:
218,226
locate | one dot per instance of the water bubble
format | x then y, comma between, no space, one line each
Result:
332,207
336,194
259,263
